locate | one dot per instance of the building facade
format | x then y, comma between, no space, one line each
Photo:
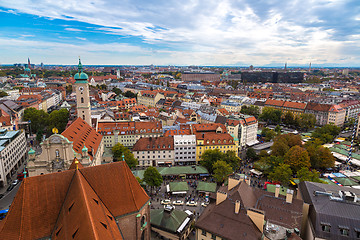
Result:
154,151
185,149
149,98
13,152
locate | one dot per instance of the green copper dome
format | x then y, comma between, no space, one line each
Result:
80,75
84,149
31,151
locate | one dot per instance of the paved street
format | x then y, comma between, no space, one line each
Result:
6,201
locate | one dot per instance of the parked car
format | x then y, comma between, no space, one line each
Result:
191,203
178,202
11,187
15,182
1,196
204,204
166,202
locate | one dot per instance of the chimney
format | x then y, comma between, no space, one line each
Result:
220,197
277,190
237,206
247,180
289,195
233,181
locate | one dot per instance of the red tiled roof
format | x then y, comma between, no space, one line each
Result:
296,105
216,138
154,144
60,204
81,133
273,102
208,127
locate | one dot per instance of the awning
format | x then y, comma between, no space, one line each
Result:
182,226
204,175
179,192
256,172
160,162
168,188
251,143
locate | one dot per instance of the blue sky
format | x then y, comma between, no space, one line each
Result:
188,32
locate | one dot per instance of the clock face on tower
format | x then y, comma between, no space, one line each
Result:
81,89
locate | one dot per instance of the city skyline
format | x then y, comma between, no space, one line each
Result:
226,33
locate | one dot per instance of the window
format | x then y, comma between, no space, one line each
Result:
203,232
213,236
82,100
344,231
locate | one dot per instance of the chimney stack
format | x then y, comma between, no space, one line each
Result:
277,190
237,206
289,195
220,197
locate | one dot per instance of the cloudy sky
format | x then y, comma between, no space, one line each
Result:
187,32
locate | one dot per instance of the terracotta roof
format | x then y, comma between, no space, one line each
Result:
177,132
209,127
81,133
91,197
130,127
73,165
272,102
296,105
318,107
154,144
216,138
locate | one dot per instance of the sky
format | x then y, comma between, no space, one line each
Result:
187,32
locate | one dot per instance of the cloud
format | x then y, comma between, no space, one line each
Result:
81,38
219,32
73,29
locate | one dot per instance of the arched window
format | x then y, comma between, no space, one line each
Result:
84,117
57,153
82,100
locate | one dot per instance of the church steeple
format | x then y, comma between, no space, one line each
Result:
82,95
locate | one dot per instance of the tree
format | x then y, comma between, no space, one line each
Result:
251,154
119,150
271,115
230,158
278,129
279,148
250,110
152,177
326,133
3,94
281,173
297,157
58,119
304,174
269,134
320,157
289,118
68,89
130,94
38,119
307,121
117,91
221,171
209,157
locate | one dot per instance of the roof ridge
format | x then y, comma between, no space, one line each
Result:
62,205
128,178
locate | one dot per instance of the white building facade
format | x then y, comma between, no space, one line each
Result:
185,149
12,153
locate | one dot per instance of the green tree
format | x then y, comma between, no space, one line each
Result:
271,115
38,119
279,148
230,158
152,178
119,150
250,110
117,91
278,129
304,174
281,173
221,171
289,118
307,121
269,134
209,157
297,157
3,94
58,119
320,157
130,94
251,154
326,133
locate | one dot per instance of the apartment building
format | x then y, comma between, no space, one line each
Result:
127,133
326,113
352,109
12,153
149,98
244,128
231,106
185,149
286,106
154,151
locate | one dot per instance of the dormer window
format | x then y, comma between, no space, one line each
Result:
325,227
224,141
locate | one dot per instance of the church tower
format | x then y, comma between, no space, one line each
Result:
82,95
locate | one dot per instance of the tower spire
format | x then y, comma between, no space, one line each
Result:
80,66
